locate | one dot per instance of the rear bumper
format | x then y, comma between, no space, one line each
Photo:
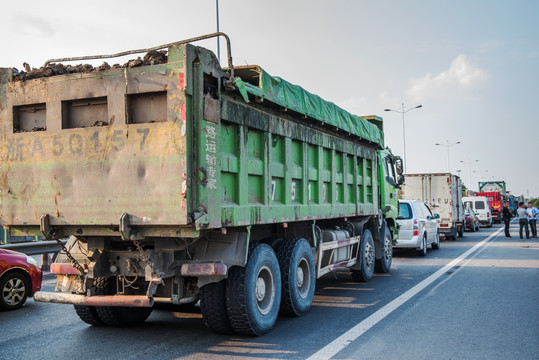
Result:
414,242
106,300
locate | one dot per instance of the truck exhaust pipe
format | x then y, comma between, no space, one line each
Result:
102,300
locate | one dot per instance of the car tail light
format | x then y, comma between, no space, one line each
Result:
416,228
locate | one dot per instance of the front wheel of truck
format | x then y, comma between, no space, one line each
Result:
298,276
253,292
213,307
119,316
383,265
367,259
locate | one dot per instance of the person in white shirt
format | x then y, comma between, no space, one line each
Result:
523,220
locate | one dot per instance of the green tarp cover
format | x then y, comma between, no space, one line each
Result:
294,97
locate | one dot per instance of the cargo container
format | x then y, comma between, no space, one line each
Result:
179,181
443,194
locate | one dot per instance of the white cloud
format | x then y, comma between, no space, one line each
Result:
461,74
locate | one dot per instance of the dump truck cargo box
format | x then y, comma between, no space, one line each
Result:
169,150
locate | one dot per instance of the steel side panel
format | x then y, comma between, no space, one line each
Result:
92,175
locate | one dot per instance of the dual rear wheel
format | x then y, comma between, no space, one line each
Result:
272,282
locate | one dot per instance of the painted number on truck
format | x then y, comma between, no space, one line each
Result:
21,148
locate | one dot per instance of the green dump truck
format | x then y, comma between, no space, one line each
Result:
178,181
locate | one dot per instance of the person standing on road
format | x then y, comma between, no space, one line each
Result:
506,215
523,220
533,214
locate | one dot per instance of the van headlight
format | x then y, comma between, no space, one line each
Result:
30,260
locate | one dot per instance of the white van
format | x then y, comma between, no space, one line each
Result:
481,206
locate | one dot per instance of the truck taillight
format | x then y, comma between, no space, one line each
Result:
416,228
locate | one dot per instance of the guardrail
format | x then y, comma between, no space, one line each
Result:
37,248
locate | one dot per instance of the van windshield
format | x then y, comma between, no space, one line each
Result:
479,205
405,211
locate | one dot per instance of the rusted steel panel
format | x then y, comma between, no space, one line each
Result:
91,175
203,269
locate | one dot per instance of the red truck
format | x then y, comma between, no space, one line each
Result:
495,200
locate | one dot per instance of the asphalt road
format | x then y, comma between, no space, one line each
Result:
475,298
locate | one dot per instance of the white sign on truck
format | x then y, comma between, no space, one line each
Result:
443,195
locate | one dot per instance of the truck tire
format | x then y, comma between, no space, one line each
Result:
118,316
298,277
367,259
213,307
461,230
253,292
383,265
89,315
423,250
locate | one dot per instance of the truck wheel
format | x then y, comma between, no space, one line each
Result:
461,230
436,243
253,292
423,250
88,314
119,316
366,253
213,307
298,278
14,290
383,265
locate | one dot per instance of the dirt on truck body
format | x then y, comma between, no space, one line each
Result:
178,181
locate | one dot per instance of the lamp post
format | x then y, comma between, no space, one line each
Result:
447,145
469,162
404,111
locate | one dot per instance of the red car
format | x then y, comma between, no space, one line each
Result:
20,277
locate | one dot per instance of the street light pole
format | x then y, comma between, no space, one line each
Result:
404,111
447,145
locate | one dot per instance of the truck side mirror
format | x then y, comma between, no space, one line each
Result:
398,165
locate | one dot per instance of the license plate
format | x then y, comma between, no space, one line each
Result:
68,283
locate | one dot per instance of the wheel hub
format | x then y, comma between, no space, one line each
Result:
264,290
388,249
299,277
369,255
13,291
260,289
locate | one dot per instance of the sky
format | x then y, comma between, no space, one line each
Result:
473,65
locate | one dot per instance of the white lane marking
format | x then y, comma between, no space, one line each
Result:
351,335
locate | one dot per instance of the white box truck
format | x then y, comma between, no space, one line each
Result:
443,194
